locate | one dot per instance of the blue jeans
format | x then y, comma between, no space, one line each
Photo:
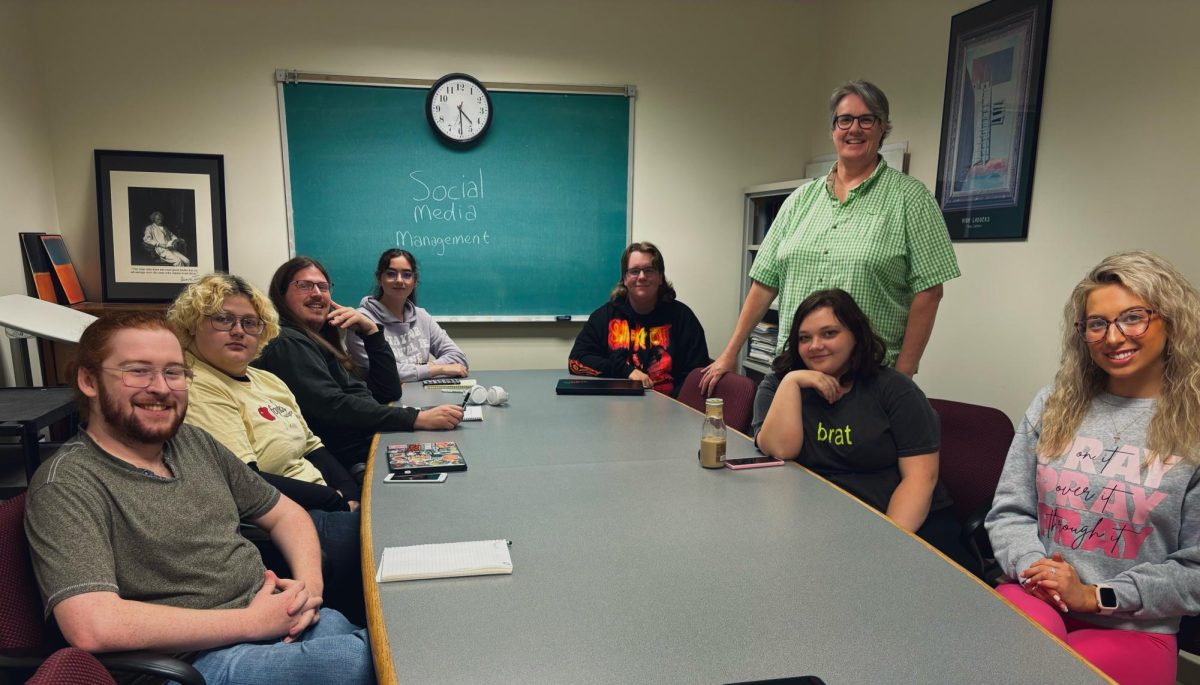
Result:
341,569
332,651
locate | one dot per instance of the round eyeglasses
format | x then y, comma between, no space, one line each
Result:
251,325
176,377
865,121
1132,323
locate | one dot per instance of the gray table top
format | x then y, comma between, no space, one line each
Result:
634,565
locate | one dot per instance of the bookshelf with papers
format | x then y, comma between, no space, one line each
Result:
762,205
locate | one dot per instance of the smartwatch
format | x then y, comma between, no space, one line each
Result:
1106,599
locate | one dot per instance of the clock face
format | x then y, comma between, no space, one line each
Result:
459,109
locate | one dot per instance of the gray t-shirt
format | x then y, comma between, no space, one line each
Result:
1114,514
98,524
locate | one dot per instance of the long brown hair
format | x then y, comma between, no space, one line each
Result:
666,291
327,337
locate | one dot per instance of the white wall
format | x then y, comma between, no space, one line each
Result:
26,178
197,76
1116,164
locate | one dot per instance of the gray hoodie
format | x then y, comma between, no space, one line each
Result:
416,340
1116,520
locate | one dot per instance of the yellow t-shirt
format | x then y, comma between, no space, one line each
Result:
257,419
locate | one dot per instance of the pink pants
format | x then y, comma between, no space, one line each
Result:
1129,657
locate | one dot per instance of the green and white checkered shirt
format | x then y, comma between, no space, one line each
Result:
887,242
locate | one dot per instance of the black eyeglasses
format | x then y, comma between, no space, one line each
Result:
1132,323
306,286
251,325
638,271
397,275
865,121
176,377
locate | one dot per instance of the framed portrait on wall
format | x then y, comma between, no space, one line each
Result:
990,116
162,222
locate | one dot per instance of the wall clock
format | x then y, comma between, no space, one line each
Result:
459,109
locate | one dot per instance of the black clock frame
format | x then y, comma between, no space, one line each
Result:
447,140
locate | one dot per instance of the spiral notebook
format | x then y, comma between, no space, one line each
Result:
447,560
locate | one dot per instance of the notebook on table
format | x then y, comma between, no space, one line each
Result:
599,386
448,560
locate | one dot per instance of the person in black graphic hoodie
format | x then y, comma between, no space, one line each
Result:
643,332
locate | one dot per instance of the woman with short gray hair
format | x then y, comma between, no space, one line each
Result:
865,228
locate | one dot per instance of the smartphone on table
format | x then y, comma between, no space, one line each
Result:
418,478
752,463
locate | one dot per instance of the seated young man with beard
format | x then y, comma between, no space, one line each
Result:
133,523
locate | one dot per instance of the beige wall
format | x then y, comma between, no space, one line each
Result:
730,94
26,178
196,76
1115,169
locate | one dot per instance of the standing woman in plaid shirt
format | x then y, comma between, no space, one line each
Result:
867,229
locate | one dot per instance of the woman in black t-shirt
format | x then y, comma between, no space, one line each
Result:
863,426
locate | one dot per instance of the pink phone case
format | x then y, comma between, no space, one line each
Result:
737,467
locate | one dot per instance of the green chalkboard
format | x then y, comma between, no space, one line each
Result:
528,223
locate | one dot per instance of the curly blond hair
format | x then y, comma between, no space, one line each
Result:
1175,426
204,298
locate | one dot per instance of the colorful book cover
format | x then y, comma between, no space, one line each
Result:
56,249
425,457
39,280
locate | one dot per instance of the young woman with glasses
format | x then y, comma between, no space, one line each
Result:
643,332
831,405
1096,519
865,228
223,323
422,349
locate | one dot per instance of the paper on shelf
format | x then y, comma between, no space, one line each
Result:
447,560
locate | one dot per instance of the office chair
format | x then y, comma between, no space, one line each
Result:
71,666
975,442
737,391
27,640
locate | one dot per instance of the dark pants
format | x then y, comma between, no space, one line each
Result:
942,531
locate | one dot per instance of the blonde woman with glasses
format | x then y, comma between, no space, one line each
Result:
1096,520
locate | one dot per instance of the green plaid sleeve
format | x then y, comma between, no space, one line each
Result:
930,252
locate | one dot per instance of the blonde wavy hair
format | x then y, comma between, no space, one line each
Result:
204,298
1175,426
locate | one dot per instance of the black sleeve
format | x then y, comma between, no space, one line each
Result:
691,347
914,424
590,355
307,495
300,364
383,378
334,473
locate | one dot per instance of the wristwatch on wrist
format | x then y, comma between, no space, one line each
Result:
1106,599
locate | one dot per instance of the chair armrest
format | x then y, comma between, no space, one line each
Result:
974,532
152,663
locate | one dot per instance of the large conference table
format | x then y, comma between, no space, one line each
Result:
632,564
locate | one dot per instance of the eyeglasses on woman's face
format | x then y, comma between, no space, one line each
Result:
251,325
865,121
1132,323
636,271
393,275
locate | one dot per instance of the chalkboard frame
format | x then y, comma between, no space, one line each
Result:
287,76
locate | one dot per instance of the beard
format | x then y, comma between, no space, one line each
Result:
122,420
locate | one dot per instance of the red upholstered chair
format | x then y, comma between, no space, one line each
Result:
71,666
975,442
737,391
27,640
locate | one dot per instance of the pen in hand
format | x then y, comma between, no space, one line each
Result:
466,397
